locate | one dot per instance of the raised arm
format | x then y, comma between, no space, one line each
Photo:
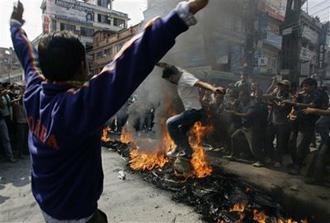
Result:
90,106
25,52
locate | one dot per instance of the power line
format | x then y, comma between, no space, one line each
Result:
321,10
320,3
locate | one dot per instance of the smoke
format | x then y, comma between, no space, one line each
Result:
205,45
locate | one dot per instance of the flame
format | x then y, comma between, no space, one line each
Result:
146,161
199,159
105,135
290,220
142,160
259,216
240,208
126,136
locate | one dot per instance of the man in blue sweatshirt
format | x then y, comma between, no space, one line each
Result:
66,112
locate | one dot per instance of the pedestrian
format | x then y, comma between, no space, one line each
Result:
4,133
66,112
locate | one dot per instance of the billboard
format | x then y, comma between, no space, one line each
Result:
276,8
72,10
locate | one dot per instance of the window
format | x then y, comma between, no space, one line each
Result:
119,22
68,27
108,51
103,19
119,46
54,25
99,54
86,31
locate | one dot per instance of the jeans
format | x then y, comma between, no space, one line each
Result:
5,140
179,125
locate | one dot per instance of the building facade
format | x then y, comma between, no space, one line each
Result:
107,44
268,45
82,17
10,68
231,37
301,42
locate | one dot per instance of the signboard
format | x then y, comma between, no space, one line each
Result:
274,40
70,9
310,34
276,8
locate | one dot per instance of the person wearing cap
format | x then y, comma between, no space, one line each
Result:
304,124
279,126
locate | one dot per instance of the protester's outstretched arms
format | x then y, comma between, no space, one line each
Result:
316,111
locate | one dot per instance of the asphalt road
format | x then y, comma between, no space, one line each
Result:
129,200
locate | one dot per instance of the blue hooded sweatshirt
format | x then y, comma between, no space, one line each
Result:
65,123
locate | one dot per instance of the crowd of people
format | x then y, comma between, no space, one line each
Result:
276,128
13,122
265,127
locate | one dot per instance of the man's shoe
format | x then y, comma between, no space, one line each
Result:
258,164
185,154
173,153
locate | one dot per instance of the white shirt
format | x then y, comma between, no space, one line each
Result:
189,94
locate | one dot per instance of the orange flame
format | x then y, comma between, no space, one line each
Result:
105,135
240,208
146,161
142,160
125,136
199,159
290,220
259,216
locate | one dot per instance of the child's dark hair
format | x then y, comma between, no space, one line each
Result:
169,71
60,55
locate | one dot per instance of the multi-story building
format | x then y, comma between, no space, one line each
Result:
10,68
270,16
232,36
301,41
82,17
324,56
107,44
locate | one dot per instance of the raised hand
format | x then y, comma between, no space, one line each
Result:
17,13
196,5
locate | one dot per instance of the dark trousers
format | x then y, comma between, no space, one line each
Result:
300,141
282,134
318,164
179,125
22,130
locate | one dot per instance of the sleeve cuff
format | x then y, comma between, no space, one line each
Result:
182,10
15,22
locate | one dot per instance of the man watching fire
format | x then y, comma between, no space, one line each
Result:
179,125
66,111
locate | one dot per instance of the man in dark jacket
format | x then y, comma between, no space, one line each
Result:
66,113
